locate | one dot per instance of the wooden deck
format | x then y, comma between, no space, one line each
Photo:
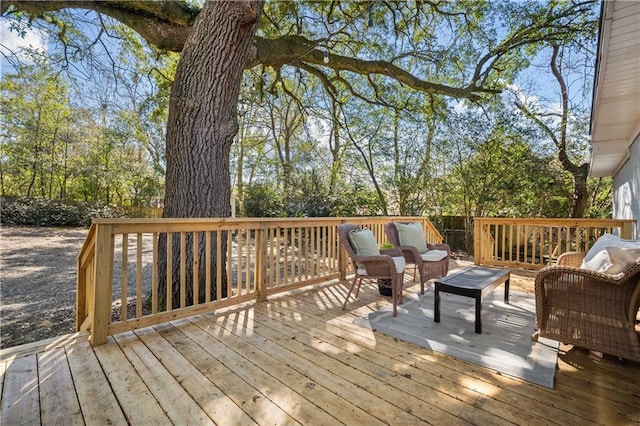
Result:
297,359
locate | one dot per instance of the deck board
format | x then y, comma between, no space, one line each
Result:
427,388
539,400
201,387
59,404
20,399
265,394
402,389
134,397
169,393
349,385
97,400
298,359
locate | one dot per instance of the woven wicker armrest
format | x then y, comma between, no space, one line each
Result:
571,274
571,258
411,254
439,246
382,265
393,252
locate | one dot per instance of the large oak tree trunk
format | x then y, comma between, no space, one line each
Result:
202,121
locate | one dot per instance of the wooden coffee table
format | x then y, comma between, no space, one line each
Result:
475,282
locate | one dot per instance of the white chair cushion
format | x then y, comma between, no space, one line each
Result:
364,242
596,257
433,255
611,254
411,234
398,260
620,259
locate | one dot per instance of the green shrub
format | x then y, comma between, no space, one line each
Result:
23,211
262,200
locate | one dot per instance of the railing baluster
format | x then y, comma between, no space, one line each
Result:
139,275
169,295
154,275
229,263
207,266
248,274
299,254
534,242
279,259
183,269
124,277
240,269
261,262
285,255
196,267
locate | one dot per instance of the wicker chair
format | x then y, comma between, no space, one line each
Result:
373,267
589,309
427,269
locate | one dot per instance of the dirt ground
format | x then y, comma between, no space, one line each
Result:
37,283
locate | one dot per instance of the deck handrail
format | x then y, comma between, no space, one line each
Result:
252,258
533,243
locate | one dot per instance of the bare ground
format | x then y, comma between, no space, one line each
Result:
37,282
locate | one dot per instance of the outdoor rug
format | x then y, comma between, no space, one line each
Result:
505,344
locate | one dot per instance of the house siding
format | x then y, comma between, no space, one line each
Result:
626,189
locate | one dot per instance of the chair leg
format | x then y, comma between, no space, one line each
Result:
395,302
357,294
397,293
353,284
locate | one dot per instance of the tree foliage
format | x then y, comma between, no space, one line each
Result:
339,100
54,149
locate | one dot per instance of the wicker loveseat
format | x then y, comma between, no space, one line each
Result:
589,309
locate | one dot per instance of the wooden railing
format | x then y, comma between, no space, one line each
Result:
134,273
535,243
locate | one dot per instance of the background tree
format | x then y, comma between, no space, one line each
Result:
36,122
567,128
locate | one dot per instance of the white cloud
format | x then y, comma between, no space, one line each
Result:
460,107
12,44
515,93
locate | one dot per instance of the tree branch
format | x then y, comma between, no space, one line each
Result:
165,24
292,49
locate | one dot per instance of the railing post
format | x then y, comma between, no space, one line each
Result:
342,259
261,262
477,239
625,230
81,295
103,284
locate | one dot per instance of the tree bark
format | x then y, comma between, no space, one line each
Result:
202,118
580,172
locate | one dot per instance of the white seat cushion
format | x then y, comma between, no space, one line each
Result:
398,260
433,255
